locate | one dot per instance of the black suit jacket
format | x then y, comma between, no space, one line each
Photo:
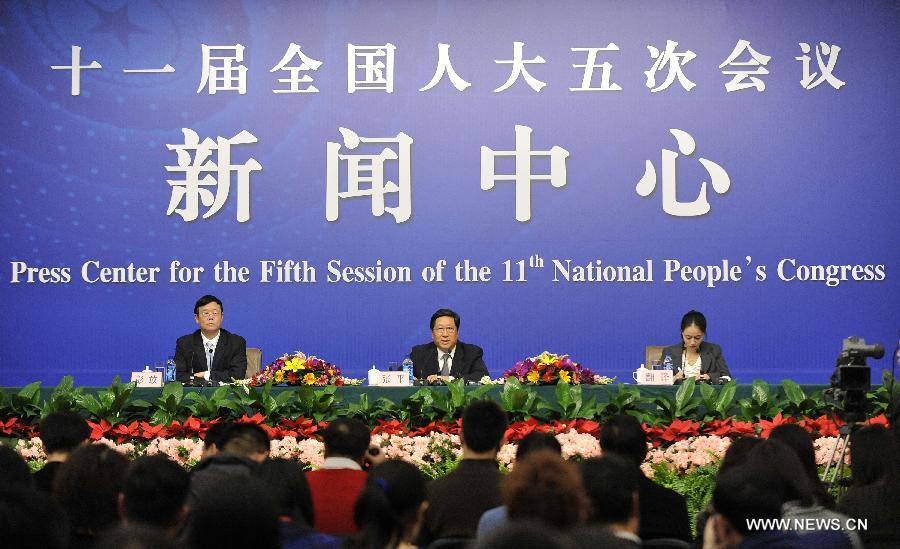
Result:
711,360
467,361
229,360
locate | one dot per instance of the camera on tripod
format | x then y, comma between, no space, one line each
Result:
852,377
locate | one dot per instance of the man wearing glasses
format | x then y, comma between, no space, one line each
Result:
446,357
210,354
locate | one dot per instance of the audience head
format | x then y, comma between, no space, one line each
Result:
623,434
611,482
285,481
213,438
483,426
800,441
30,519
154,492
245,439
391,507
535,441
546,488
13,468
134,536
741,494
776,461
348,438
737,452
873,455
235,512
63,432
88,485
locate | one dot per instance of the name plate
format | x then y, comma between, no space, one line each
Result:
654,377
147,379
378,378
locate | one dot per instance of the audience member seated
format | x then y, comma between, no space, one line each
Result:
875,492
546,488
13,469
242,447
663,512
135,536
391,507
154,493
61,433
735,455
457,500
29,519
774,459
535,440
800,441
236,512
212,439
286,483
337,484
87,487
611,483
525,535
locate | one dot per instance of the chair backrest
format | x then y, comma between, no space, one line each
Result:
254,360
651,353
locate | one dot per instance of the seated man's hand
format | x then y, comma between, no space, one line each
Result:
435,377
199,374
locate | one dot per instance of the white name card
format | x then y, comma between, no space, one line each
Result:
378,378
654,377
147,378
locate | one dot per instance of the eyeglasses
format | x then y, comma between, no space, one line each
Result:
209,314
445,330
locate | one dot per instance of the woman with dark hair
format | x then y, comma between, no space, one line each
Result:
800,441
286,483
735,456
87,487
873,455
391,507
546,488
694,357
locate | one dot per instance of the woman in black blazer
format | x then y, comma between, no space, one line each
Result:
694,357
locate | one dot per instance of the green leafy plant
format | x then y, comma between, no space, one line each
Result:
25,404
624,400
520,402
64,398
761,404
260,399
796,403
370,412
169,406
570,403
114,403
320,403
683,405
882,398
696,486
718,405
218,404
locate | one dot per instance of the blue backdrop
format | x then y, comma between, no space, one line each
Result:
812,179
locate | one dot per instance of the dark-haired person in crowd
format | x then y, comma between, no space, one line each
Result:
778,461
446,357
210,354
212,439
800,441
135,536
154,493
546,488
612,482
237,512
533,441
242,447
735,455
87,487
694,357
286,483
61,433
874,495
30,519
391,507
13,468
663,512
457,500
336,485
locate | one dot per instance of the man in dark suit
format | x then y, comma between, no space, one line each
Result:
446,356
663,512
210,354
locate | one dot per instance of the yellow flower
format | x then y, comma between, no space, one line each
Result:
292,364
565,376
279,376
545,358
533,376
309,378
